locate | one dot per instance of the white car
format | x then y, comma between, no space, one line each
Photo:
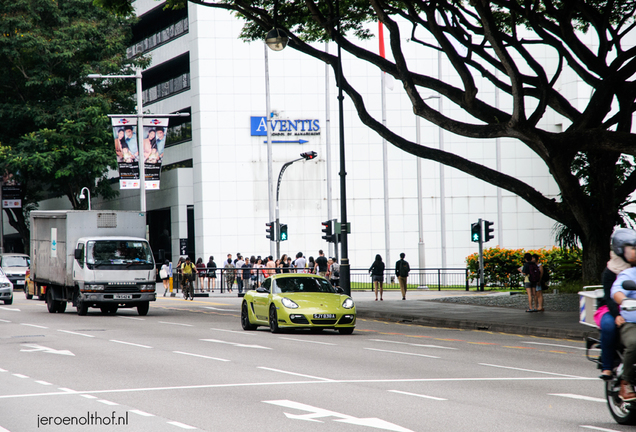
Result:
6,289
15,265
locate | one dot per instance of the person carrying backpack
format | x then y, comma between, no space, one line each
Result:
532,276
402,270
542,284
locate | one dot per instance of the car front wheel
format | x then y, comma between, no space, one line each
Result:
273,320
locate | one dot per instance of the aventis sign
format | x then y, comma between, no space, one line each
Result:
307,127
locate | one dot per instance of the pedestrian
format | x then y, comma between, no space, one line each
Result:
334,272
211,266
531,275
201,272
540,285
284,264
271,266
165,274
402,270
377,276
311,264
228,260
229,274
261,272
607,316
300,263
239,274
247,276
322,263
177,280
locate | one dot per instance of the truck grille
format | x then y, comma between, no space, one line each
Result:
122,288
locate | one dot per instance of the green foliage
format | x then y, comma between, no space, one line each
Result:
501,266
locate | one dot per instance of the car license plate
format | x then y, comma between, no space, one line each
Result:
20,282
122,296
318,316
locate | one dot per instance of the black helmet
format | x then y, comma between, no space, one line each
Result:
623,237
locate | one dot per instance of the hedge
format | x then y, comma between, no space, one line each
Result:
501,266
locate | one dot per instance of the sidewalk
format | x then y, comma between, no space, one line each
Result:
416,310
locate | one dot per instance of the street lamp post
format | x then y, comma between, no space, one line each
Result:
140,141
304,156
276,40
82,196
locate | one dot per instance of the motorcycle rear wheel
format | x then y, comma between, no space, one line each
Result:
623,412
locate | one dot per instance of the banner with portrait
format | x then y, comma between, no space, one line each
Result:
154,134
128,153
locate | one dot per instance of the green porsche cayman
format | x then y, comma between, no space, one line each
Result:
298,301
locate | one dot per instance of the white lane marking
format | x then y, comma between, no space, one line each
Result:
294,373
20,375
235,344
89,396
246,333
142,413
130,343
316,413
308,341
3,320
529,370
10,309
132,318
43,382
288,383
554,345
67,390
181,425
598,428
40,348
4,430
418,395
75,333
413,344
178,324
201,356
107,402
580,397
222,310
404,353
33,325
3,370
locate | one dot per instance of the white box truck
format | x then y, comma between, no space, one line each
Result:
92,258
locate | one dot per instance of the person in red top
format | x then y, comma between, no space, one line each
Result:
201,272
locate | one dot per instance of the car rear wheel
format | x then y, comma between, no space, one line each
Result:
273,320
245,318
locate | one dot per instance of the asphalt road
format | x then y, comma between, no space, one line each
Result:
190,366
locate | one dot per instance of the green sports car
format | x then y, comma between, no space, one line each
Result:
297,300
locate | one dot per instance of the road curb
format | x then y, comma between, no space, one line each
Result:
478,325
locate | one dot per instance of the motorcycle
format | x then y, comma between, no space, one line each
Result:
623,412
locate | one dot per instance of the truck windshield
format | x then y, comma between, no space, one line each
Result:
118,253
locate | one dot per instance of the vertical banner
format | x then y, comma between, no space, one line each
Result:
125,134
11,195
154,134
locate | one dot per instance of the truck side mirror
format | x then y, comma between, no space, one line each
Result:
78,254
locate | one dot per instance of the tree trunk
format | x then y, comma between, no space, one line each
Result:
596,249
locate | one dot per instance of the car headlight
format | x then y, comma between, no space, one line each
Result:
348,303
289,303
5,285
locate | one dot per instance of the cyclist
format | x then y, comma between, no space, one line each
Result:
188,270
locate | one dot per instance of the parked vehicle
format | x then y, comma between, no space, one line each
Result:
6,289
14,266
92,259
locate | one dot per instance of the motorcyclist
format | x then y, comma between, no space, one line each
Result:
624,245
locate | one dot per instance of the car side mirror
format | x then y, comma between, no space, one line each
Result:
339,290
629,285
262,290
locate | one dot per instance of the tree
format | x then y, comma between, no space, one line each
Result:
591,160
54,132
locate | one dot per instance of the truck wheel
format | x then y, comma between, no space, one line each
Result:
82,308
50,303
142,309
61,307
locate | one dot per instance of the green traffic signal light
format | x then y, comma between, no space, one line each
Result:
283,232
475,232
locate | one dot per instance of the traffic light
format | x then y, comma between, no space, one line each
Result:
270,230
327,228
309,155
283,232
488,231
475,232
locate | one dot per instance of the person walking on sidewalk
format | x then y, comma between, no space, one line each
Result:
322,263
402,270
377,275
532,275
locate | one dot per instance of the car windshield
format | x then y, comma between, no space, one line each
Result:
303,284
118,252
15,261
